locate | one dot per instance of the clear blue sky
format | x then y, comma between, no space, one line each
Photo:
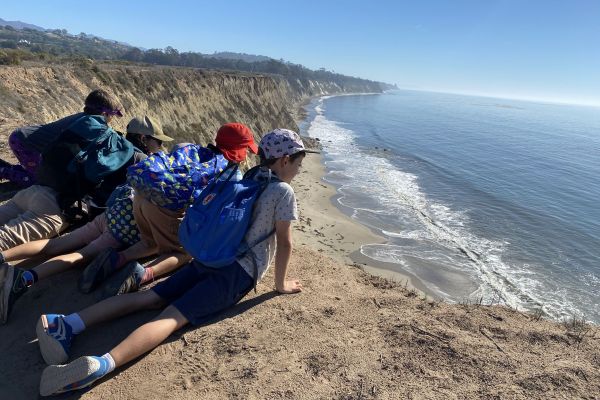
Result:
540,49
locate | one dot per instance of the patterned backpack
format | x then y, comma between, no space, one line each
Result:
119,216
175,180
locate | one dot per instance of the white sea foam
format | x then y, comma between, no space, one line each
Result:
428,239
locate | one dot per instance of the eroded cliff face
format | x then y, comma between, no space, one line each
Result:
191,103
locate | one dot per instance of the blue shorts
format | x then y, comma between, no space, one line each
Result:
200,293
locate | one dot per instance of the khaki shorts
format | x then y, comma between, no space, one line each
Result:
95,235
32,214
158,226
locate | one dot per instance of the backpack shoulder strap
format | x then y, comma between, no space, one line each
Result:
245,247
233,167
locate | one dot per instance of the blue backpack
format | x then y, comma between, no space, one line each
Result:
214,227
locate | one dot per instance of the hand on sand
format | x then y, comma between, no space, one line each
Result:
292,286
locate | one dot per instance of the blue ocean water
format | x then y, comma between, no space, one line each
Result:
477,197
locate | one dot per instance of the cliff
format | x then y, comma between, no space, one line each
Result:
191,103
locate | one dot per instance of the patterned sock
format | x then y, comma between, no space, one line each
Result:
75,322
148,276
110,361
29,277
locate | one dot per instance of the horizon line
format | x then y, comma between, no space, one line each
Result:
508,97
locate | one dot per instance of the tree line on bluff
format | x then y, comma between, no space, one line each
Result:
17,45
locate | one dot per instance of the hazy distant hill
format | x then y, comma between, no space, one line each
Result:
30,42
227,55
239,56
20,25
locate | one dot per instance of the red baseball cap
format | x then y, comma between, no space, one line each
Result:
233,139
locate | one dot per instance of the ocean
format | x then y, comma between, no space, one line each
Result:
481,199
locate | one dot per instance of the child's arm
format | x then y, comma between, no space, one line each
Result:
283,230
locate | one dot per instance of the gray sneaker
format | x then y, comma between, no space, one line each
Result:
11,288
127,279
98,270
78,374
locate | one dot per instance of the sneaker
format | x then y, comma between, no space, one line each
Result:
11,288
98,270
76,375
54,337
127,279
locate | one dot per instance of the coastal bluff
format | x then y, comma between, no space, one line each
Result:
348,335
191,103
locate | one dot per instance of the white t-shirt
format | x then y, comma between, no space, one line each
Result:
276,203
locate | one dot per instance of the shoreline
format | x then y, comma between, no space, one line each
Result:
338,235
324,227
471,258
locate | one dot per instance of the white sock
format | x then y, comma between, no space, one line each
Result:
75,322
111,362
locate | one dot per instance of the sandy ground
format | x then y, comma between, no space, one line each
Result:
348,335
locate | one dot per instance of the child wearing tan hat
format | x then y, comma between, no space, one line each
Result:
146,134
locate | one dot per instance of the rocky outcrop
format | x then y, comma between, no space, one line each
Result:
191,103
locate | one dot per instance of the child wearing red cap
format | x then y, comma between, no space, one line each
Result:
158,227
196,293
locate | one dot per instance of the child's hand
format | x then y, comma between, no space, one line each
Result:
293,286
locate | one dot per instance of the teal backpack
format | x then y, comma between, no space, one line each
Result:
106,151
84,154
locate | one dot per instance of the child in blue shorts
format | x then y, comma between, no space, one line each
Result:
195,294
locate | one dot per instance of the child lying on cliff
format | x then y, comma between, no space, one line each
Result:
158,223
113,229
193,295
29,142
37,212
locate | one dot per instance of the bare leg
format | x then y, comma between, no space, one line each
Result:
167,263
138,251
49,247
117,306
65,262
57,378
148,336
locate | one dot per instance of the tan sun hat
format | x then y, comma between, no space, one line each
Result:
149,127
